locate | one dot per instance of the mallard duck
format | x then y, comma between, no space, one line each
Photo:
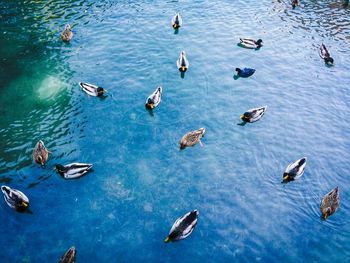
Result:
92,90
295,3
73,170
245,72
182,63
324,54
253,115
250,43
69,256
154,99
191,138
176,21
40,153
15,198
330,203
67,33
295,170
183,227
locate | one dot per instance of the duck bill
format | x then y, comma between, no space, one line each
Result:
286,177
25,204
151,106
241,117
167,240
104,91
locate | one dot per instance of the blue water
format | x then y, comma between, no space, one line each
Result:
142,182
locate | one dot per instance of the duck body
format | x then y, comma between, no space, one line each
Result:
253,115
69,256
250,43
176,21
92,90
191,138
295,170
182,63
73,170
15,198
183,226
324,54
67,33
154,99
245,72
40,153
330,203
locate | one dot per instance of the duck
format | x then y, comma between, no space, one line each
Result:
40,153
183,227
73,170
295,170
253,115
191,138
67,33
92,90
245,72
295,3
182,63
154,99
324,54
250,43
176,21
15,198
330,203
69,256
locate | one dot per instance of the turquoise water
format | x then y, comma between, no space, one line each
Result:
142,182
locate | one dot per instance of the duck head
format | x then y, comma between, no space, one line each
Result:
329,60
238,70
40,160
325,213
182,146
60,169
150,104
259,42
100,91
286,177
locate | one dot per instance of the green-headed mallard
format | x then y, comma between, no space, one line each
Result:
250,43
176,21
330,203
294,170
182,62
191,138
253,115
73,170
183,226
154,99
69,256
15,198
92,90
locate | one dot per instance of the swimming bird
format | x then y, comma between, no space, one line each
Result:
294,170
69,256
324,54
154,99
191,138
245,72
251,43
253,115
182,63
67,33
92,90
330,203
73,170
183,226
176,21
15,198
295,3
40,153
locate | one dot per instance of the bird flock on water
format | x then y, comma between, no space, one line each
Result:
183,226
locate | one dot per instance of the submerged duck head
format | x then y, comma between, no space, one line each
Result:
150,104
329,60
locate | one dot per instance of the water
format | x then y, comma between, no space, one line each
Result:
141,182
